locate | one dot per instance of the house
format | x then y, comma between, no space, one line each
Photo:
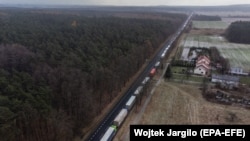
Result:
226,80
202,66
202,69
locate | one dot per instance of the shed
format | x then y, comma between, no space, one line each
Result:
226,79
237,71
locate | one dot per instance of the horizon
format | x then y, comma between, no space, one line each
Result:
78,5
132,3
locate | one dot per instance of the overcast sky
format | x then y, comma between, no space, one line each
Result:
128,2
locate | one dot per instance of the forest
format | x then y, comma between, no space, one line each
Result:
60,68
238,32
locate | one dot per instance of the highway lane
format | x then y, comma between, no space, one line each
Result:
107,121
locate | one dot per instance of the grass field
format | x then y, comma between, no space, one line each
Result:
238,57
210,24
202,41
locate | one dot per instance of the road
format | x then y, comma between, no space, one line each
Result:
107,121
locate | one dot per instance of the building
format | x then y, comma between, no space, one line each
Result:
203,60
202,69
226,80
237,71
202,66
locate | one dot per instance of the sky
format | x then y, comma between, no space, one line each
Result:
128,2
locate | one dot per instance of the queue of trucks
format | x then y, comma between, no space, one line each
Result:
110,132
119,119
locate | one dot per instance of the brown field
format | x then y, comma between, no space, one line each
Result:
174,103
207,31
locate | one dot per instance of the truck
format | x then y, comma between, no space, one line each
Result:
152,72
138,91
163,55
146,79
157,64
109,134
120,117
130,102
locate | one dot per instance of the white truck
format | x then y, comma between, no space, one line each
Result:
109,134
120,117
130,102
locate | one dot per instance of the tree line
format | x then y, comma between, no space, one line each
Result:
238,32
59,70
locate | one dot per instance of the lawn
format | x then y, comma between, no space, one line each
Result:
245,80
178,69
184,77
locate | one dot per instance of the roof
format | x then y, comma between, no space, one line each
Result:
203,57
203,61
202,65
236,69
226,77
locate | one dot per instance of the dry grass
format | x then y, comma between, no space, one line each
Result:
174,103
184,104
207,31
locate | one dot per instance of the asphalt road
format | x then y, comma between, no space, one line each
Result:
107,121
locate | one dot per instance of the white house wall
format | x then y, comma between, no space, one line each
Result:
200,71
